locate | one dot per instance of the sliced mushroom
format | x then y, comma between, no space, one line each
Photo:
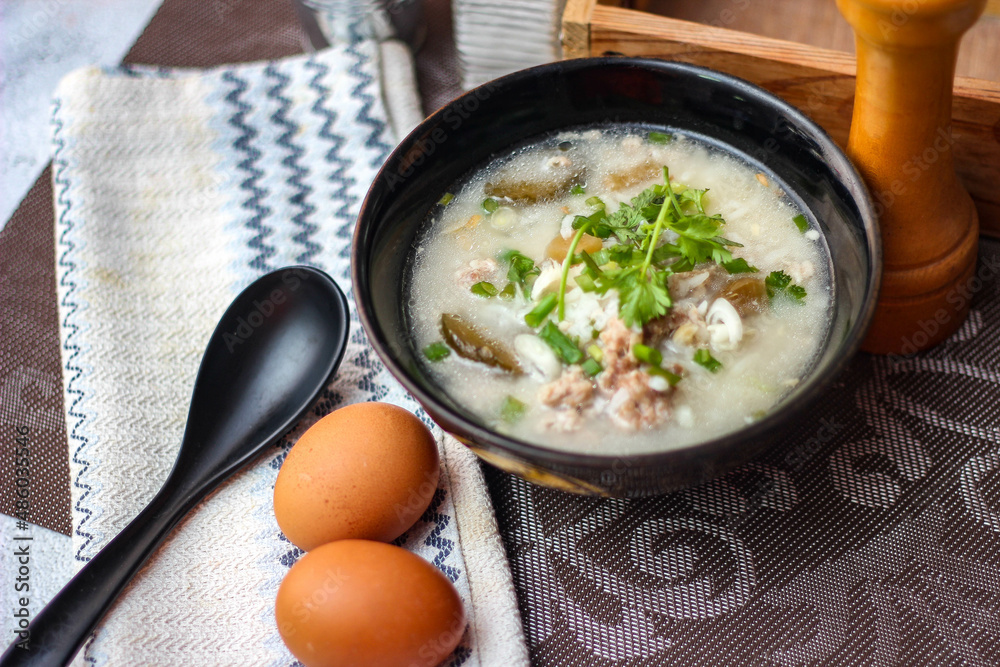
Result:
747,295
470,342
555,177
529,192
628,177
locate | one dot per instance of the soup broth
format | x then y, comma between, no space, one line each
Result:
568,296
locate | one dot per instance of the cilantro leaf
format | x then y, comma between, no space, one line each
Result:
648,197
797,291
625,223
522,269
696,197
779,282
738,265
641,300
594,224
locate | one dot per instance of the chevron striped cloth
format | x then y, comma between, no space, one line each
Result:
174,190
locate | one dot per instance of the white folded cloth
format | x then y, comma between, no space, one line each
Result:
174,190
497,37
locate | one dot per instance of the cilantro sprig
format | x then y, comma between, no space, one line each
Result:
642,263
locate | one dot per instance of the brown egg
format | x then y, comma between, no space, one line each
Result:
365,471
357,602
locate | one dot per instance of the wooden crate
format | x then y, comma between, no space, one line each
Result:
820,81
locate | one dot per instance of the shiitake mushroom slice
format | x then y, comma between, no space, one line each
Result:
626,178
560,176
747,295
470,342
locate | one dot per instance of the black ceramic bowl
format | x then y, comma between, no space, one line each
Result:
726,111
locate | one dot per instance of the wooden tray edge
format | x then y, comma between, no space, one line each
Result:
818,81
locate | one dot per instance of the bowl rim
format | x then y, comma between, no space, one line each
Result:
840,165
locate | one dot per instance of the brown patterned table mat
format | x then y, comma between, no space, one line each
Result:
869,537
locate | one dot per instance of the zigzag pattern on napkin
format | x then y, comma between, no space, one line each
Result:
253,167
436,538
253,173
71,347
295,153
333,156
365,117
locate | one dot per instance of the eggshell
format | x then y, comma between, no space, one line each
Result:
357,602
365,471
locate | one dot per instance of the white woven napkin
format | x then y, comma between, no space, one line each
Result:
497,37
174,190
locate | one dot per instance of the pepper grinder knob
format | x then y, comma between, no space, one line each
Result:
901,142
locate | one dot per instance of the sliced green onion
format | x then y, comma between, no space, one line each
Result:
671,378
704,358
490,204
484,289
521,267
446,199
595,352
512,410
650,355
660,137
586,283
436,351
541,311
560,343
508,292
591,267
577,189
601,257
801,222
591,367
596,202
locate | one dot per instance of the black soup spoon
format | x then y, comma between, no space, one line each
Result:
272,353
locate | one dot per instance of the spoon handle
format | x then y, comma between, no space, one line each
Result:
56,633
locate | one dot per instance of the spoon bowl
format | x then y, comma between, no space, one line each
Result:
272,353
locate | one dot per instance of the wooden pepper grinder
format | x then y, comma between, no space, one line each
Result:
901,142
